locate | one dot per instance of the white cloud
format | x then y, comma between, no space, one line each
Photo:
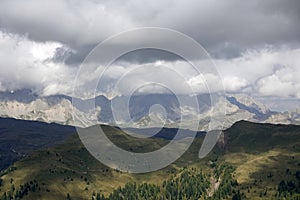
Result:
267,72
28,64
284,83
234,84
206,83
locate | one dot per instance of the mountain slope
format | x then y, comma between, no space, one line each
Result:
250,161
18,138
69,168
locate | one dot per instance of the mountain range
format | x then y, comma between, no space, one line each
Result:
25,104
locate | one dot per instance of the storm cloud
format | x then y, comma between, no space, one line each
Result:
224,28
255,44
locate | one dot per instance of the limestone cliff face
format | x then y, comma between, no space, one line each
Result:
59,109
41,110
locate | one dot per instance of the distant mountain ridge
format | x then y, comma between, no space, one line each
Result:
24,104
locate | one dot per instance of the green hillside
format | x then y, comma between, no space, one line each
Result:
251,161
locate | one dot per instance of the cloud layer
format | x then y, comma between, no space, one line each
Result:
224,28
255,44
28,64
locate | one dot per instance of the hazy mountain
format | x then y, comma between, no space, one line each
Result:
292,117
57,109
141,113
248,104
24,96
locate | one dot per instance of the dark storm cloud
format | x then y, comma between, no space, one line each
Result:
224,28
149,56
135,56
76,57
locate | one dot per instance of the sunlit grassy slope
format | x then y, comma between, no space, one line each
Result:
261,154
264,155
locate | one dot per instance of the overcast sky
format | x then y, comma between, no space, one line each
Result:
255,44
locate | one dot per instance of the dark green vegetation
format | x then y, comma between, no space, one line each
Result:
185,184
18,138
251,161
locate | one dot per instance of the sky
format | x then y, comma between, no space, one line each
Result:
255,45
